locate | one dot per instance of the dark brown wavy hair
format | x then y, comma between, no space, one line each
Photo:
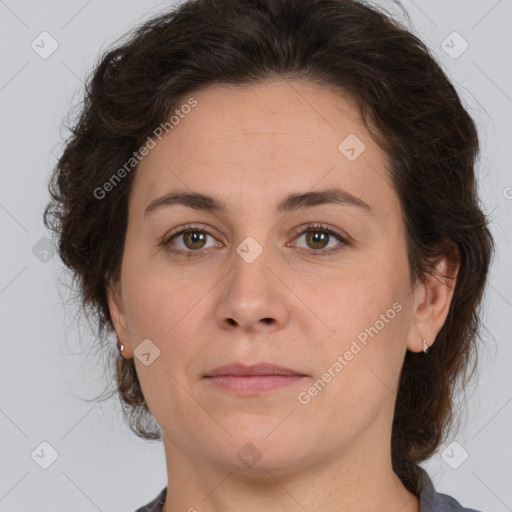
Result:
407,102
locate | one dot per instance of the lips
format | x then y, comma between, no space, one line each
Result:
260,369
254,380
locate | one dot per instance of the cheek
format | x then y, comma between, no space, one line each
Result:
358,375
347,303
362,336
166,312
157,298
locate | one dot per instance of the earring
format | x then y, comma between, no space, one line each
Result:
120,347
425,346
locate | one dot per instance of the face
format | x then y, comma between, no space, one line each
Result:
274,269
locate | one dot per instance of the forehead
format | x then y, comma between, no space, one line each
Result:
263,141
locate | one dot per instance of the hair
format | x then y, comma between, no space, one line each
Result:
405,99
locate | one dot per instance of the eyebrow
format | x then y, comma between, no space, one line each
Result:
291,202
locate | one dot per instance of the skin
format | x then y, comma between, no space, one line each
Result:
249,147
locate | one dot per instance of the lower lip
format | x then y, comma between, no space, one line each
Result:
253,384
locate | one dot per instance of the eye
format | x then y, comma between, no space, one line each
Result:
189,240
321,240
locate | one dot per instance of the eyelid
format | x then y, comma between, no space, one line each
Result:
320,227
187,227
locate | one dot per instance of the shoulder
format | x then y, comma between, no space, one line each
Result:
445,503
155,505
433,501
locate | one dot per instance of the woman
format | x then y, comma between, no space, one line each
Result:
272,204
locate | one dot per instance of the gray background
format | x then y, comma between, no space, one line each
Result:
46,374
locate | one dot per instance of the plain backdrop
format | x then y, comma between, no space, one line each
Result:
45,371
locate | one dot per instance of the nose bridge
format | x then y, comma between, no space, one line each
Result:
252,294
251,277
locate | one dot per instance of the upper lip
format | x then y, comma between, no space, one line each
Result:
240,369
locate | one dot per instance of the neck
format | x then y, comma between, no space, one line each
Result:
354,480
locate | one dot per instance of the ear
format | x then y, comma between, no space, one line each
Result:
117,313
432,299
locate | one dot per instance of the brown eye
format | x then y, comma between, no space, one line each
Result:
320,240
194,239
190,241
317,239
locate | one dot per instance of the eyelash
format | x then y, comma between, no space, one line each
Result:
310,227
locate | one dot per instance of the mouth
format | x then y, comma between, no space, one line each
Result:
254,379
259,369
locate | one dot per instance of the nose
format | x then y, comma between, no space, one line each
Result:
254,297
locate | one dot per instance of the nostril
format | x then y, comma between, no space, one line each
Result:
231,321
268,320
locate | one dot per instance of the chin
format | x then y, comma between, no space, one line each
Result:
252,450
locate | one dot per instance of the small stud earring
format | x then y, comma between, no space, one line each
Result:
120,347
425,346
